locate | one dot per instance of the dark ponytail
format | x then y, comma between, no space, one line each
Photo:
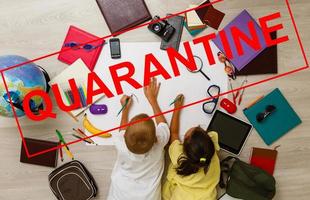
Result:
198,152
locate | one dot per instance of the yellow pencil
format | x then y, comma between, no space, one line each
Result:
69,153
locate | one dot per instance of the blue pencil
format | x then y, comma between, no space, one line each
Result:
82,97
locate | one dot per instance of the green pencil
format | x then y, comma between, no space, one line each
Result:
176,99
123,107
60,137
67,97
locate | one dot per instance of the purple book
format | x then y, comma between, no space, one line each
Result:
241,21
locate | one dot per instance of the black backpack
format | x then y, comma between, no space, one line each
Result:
245,181
72,181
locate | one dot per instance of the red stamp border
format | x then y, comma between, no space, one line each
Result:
168,111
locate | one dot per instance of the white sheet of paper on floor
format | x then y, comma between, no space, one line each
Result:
193,85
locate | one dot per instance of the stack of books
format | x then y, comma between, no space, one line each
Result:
199,19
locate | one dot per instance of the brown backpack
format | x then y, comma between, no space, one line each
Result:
72,181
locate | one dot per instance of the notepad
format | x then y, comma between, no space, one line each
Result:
276,124
241,22
48,159
174,42
264,159
79,36
203,9
210,15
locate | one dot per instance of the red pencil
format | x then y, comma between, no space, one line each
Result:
61,154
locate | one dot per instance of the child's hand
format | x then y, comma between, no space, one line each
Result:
126,100
179,101
151,91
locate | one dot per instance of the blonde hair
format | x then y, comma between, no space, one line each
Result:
141,136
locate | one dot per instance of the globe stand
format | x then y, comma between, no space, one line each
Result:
47,78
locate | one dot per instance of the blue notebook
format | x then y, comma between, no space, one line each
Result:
278,122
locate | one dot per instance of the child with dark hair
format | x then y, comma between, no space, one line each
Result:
194,171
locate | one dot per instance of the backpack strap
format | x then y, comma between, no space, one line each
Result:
225,169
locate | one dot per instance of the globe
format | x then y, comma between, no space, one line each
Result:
20,81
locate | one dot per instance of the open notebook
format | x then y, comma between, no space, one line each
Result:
79,72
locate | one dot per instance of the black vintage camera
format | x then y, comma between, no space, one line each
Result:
162,28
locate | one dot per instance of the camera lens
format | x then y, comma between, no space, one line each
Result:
156,27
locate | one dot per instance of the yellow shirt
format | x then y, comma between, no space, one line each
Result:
198,186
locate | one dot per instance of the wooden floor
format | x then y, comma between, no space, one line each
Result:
33,28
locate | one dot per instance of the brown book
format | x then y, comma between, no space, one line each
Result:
201,12
264,159
213,18
265,63
209,15
123,14
48,159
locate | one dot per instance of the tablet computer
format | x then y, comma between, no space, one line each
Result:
232,132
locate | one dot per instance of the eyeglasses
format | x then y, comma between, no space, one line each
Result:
229,69
263,115
86,47
17,103
209,106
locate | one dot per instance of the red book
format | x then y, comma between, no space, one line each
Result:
264,159
88,52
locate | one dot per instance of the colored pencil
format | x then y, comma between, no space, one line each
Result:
84,92
69,153
60,137
71,96
61,154
82,97
233,94
65,144
78,137
123,107
82,135
81,132
67,97
175,100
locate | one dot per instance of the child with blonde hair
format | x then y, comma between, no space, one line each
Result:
140,152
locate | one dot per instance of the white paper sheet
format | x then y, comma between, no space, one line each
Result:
193,85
